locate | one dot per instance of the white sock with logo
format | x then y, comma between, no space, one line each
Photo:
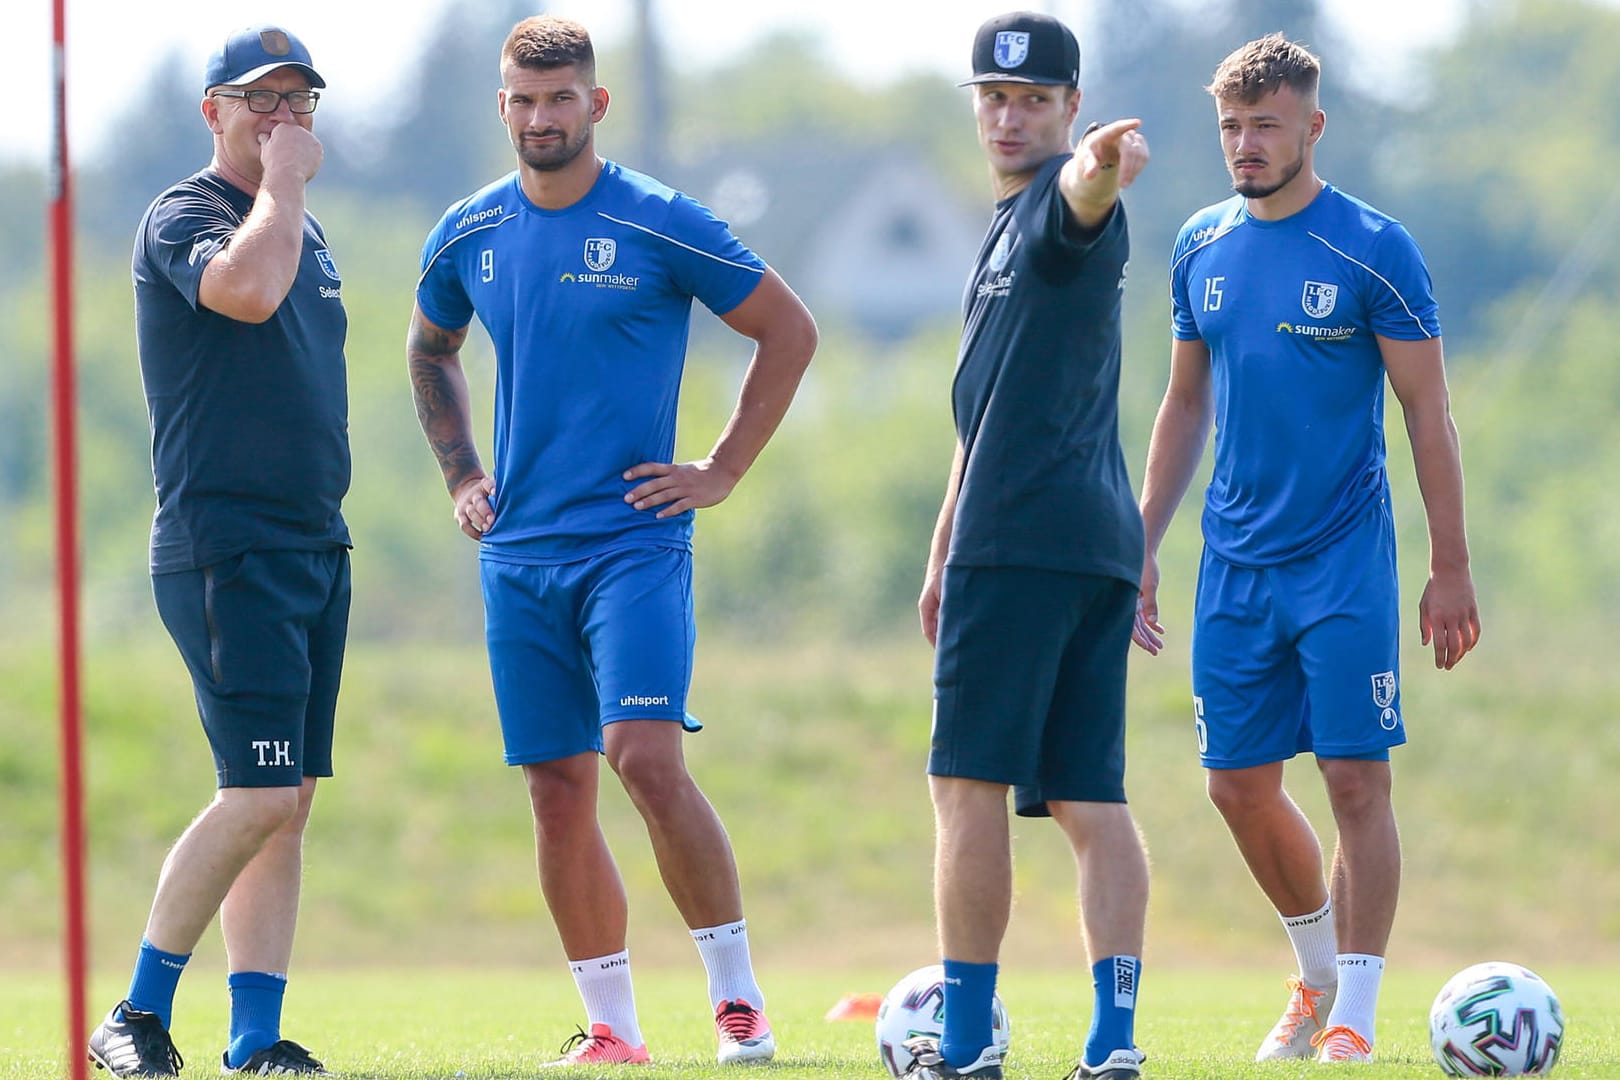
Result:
604,986
1316,946
1360,975
731,970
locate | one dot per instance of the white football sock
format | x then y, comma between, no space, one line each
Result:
604,986
731,971
1360,975
1316,946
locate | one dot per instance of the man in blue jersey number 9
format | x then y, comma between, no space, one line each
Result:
1292,303
583,273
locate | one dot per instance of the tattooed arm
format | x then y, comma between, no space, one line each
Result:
439,387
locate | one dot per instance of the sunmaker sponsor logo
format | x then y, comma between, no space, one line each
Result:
1318,333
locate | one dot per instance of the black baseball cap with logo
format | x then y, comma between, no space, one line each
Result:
254,52
1025,47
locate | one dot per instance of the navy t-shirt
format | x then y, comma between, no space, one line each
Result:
250,439
1036,395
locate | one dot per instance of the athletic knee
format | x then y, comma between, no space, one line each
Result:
263,812
1237,796
561,795
650,777
1357,788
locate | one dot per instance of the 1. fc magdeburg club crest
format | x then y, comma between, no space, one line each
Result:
1011,47
1383,689
1319,299
599,253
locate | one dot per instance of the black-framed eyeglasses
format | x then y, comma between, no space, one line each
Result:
268,101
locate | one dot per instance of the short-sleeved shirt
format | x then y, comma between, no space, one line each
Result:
1289,310
588,309
1036,396
250,430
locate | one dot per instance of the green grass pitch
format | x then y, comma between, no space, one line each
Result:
435,1024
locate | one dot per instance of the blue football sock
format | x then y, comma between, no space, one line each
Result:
970,990
157,973
1113,1019
255,1014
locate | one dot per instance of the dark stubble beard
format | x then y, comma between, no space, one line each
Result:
1254,189
552,158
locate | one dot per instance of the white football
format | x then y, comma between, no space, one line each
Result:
916,1006
1496,1019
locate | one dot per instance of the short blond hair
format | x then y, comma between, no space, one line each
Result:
1264,66
546,41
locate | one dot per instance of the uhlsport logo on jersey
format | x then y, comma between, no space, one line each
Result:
600,252
1319,298
1012,47
328,266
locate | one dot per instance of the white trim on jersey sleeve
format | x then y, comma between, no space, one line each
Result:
677,243
1387,283
502,220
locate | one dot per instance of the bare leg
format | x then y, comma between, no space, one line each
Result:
688,840
1367,862
208,858
578,877
1113,875
260,912
972,867
1275,839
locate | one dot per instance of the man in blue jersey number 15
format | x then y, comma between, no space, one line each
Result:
583,273
1292,303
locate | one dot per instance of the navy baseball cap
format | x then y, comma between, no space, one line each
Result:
1025,47
255,51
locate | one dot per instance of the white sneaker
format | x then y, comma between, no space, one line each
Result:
1305,1015
1341,1043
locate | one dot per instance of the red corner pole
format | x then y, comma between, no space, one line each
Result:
65,485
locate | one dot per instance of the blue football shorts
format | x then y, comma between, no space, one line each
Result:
262,634
575,646
1302,657
1029,683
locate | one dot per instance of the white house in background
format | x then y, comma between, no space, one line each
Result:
875,238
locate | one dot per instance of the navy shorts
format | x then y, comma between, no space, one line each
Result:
262,634
1302,657
1029,683
574,646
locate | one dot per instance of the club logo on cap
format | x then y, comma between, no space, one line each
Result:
1012,47
275,42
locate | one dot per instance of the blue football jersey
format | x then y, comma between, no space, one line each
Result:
589,309
1289,310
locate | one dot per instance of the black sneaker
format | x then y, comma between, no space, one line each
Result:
285,1058
134,1043
927,1063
